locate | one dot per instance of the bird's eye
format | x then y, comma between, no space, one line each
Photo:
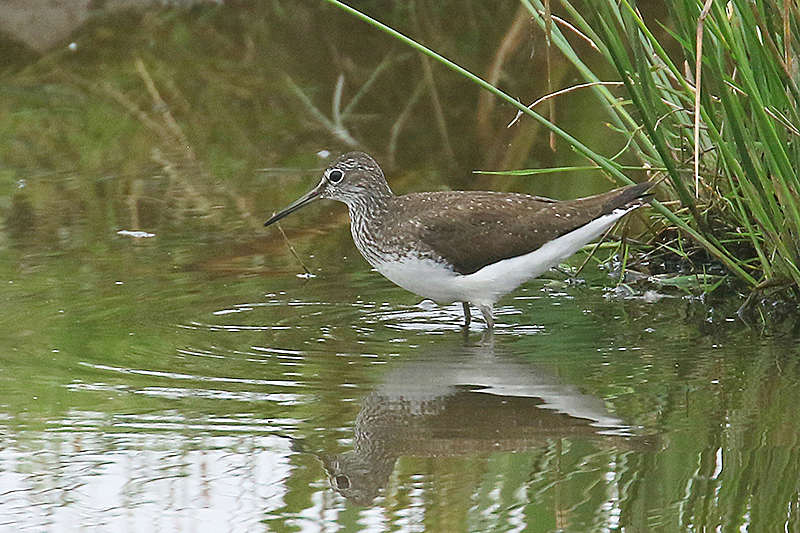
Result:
341,482
335,175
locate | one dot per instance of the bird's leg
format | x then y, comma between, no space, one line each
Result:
486,310
487,339
467,316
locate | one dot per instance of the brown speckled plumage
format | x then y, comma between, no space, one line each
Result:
470,230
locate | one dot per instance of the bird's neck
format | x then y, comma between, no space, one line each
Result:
367,220
371,204
368,209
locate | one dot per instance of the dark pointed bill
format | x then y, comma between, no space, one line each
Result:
307,198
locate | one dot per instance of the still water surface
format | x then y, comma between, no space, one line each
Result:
186,401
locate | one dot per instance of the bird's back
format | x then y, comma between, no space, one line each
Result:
470,230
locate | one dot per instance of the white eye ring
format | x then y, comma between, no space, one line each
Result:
335,175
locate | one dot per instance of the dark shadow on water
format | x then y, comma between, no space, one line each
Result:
463,401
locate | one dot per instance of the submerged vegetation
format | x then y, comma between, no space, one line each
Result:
713,111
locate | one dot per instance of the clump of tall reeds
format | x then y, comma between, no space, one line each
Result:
721,120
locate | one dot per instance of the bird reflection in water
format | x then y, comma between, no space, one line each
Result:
473,400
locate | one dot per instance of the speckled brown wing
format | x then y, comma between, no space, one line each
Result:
476,230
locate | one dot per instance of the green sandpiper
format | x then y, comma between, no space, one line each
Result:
471,247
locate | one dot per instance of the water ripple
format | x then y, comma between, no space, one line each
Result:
191,377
